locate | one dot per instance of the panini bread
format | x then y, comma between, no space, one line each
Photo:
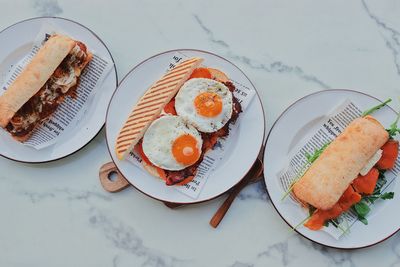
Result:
151,104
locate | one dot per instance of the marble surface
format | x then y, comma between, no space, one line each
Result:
57,214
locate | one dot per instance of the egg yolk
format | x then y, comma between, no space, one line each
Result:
208,104
184,149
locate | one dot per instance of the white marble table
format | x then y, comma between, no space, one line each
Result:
57,214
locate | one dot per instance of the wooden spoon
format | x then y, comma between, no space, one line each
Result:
120,183
253,175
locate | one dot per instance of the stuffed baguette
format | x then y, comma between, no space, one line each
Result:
340,163
36,93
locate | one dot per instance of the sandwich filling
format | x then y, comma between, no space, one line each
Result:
62,83
209,140
364,188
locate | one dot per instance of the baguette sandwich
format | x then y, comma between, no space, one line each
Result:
178,119
346,173
35,94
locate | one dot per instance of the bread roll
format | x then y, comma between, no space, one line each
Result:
340,163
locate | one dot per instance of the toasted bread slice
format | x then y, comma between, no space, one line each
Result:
151,104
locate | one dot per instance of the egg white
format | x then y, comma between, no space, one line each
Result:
184,104
159,137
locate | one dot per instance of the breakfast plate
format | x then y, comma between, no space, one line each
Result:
239,156
17,41
295,124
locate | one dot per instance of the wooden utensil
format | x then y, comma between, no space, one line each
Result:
253,175
256,170
113,181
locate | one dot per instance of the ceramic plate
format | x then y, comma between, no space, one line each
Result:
16,42
288,130
239,156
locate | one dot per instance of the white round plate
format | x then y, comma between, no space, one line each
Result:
16,42
238,158
285,134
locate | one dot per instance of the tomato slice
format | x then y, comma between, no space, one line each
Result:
201,73
366,184
139,149
170,107
318,219
218,75
389,155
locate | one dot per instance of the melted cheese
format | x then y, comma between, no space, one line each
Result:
371,163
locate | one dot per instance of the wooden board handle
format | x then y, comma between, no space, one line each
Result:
112,185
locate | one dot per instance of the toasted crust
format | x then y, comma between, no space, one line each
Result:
153,171
151,104
22,138
340,163
150,169
34,76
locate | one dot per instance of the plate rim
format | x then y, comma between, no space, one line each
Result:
265,177
116,85
177,50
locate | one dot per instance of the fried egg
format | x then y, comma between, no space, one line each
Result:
171,143
204,103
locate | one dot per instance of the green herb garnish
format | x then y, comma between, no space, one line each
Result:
384,196
311,210
373,109
337,225
313,157
393,130
363,220
302,222
301,173
362,208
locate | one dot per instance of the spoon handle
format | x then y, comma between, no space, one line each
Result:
255,171
219,215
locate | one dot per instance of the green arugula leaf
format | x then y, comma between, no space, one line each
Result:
373,109
380,183
336,223
299,175
313,157
393,130
387,195
311,210
363,220
362,209
301,223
